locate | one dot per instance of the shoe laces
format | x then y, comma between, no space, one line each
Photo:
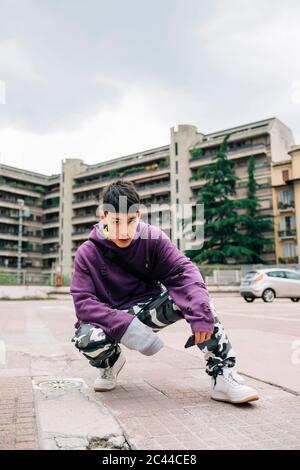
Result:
107,373
237,377
232,376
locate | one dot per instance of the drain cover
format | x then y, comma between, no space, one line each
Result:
58,384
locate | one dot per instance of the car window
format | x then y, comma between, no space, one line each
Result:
250,274
277,274
294,276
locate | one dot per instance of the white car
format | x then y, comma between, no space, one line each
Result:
270,283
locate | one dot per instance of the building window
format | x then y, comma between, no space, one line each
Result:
286,197
176,148
285,175
287,223
176,166
177,186
289,250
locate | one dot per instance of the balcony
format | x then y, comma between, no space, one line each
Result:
81,235
50,246
240,152
288,260
51,202
153,188
12,203
287,233
119,173
52,234
286,206
52,220
51,195
86,202
52,209
81,219
20,190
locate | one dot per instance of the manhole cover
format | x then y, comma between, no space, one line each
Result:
59,384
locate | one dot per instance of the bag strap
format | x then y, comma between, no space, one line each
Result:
115,258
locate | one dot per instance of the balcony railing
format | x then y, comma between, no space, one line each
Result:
152,186
50,249
25,249
91,199
14,184
84,215
118,173
283,206
51,221
288,260
204,154
287,233
80,232
28,202
50,206
50,235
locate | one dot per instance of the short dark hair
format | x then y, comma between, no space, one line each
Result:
113,192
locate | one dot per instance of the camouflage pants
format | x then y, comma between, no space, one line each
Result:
157,313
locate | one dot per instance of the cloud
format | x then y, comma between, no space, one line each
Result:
100,79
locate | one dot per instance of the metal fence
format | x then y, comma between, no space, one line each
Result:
30,279
220,275
226,275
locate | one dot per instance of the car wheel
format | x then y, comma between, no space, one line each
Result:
268,295
295,299
249,299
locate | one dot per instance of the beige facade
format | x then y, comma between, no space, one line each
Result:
40,224
286,204
64,207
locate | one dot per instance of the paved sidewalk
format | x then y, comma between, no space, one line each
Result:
18,429
161,402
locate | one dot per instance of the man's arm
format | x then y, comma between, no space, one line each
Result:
185,285
89,309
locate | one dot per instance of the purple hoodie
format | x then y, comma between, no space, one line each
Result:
100,288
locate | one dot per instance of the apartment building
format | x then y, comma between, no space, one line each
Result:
64,207
286,205
269,141
39,195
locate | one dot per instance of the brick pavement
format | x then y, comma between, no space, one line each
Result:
18,430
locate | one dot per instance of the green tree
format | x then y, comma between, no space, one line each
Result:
222,220
254,223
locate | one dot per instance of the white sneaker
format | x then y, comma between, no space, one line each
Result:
230,387
108,377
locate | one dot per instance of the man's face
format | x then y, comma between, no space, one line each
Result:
121,227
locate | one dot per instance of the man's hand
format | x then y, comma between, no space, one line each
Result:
202,336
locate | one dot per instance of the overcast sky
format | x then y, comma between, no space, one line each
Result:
96,79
